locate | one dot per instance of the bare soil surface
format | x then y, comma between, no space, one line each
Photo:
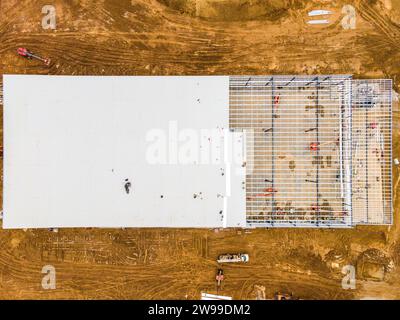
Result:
203,37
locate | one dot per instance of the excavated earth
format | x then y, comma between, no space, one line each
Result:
203,37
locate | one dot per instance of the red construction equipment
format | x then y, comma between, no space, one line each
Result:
373,125
23,52
268,193
259,195
263,194
276,100
314,146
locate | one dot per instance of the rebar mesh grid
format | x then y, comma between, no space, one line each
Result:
304,149
372,151
298,163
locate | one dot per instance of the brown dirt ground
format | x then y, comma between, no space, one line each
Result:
187,37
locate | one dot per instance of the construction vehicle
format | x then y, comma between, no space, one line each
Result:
23,52
276,100
227,258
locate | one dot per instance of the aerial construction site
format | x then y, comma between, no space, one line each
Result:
298,110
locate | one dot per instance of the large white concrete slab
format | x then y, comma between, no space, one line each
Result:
70,143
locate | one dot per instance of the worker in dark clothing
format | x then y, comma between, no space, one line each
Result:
127,186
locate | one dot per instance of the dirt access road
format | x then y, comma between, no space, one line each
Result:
171,37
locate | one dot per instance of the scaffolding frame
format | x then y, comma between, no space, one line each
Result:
283,113
372,126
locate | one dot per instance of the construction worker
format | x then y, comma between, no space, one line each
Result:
219,277
127,186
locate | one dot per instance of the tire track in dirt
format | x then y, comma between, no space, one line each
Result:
381,23
172,43
195,46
